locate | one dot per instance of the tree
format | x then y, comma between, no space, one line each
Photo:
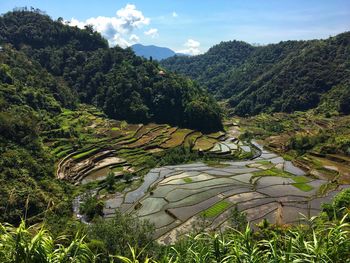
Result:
127,176
110,181
92,207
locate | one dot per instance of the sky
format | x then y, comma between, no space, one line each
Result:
193,26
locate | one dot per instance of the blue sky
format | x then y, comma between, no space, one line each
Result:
193,26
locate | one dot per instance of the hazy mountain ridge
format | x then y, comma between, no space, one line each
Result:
153,51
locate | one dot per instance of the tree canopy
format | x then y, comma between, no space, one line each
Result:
124,85
288,76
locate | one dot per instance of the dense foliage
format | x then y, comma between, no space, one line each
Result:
29,97
30,244
116,80
319,240
288,76
208,68
34,28
113,236
47,67
339,207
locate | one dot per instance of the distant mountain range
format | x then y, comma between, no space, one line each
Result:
155,52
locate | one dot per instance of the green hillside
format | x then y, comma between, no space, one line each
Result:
288,76
47,68
29,98
123,85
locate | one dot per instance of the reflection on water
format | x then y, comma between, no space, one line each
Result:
96,175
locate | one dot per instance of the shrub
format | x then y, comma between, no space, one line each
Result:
115,235
110,181
92,207
339,207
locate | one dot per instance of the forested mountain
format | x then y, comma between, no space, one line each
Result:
116,80
288,76
37,30
208,68
47,67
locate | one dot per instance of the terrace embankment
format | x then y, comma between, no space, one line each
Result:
180,197
176,198
119,147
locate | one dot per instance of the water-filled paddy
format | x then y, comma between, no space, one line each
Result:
261,188
175,197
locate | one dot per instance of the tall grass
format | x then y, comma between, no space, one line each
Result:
29,244
318,240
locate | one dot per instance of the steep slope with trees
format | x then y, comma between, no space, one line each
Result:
210,68
47,67
123,85
288,76
29,97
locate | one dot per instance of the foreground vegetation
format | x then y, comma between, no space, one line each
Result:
124,239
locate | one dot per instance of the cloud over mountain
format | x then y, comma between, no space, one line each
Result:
118,28
192,47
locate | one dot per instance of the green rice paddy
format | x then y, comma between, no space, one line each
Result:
188,180
216,209
83,154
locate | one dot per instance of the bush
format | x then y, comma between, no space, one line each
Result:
127,176
304,143
110,181
91,207
246,136
178,155
339,207
113,236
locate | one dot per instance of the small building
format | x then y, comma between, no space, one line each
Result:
161,73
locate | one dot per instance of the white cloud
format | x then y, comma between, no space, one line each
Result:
75,22
134,39
174,14
192,47
153,32
192,43
117,39
116,29
131,18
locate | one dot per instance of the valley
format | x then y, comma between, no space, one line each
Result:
132,153
223,174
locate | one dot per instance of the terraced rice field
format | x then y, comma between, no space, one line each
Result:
176,198
127,147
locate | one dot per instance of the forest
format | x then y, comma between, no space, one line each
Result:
284,77
116,80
